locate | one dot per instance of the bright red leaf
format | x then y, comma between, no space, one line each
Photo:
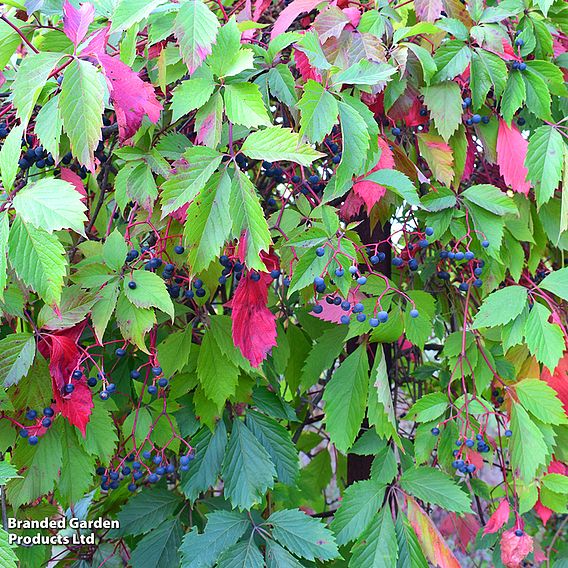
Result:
290,13
498,518
511,154
559,380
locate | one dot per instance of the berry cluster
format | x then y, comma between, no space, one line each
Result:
43,421
470,267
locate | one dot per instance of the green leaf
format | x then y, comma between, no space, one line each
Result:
248,217
277,143
398,183
544,161
545,340
189,95
103,447
322,355
377,547
556,482
223,530
74,307
514,96
445,105
146,510
308,267
135,182
115,250
276,440
227,56
217,374
134,322
541,401
244,105
81,104
129,12
410,554
303,535
195,29
4,232
7,472
103,308
282,84
247,469
51,204
359,506
17,353
491,199
174,350
557,283
42,463
434,487
150,292
487,71
500,307
76,468
8,558
428,407
451,59
278,557
38,259
185,185
159,548
527,446
48,126
364,72
345,396
208,223
209,121
32,74
9,156
244,554
206,467
318,111
538,96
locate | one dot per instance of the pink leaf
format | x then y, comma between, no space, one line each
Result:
333,313
428,10
351,206
76,21
290,13
511,154
254,325
132,97
72,177
369,191
464,527
354,15
259,7
97,42
77,406
2,78
515,548
304,67
469,159
542,511
498,518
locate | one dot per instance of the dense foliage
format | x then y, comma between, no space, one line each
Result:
282,283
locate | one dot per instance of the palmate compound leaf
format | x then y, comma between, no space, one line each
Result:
276,143
248,470
541,401
345,397
303,535
51,204
244,554
38,259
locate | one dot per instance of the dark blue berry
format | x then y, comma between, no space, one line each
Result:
429,231
24,433
33,440
48,411
344,320
120,352
519,532
435,431
163,382
469,255
373,322
46,422
383,316
374,259
362,280
476,119
320,251
396,131
146,454
414,313
396,261
508,433
132,285
361,317
485,243
295,179
413,264
255,276
469,443
485,119
152,389
153,478
274,274
317,309
31,414
339,272
200,293
69,388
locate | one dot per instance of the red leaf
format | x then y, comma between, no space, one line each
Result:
76,21
433,545
72,177
254,325
542,511
515,548
369,191
132,97
469,159
428,10
559,380
304,67
290,13
61,349
498,518
511,154
351,206
464,528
